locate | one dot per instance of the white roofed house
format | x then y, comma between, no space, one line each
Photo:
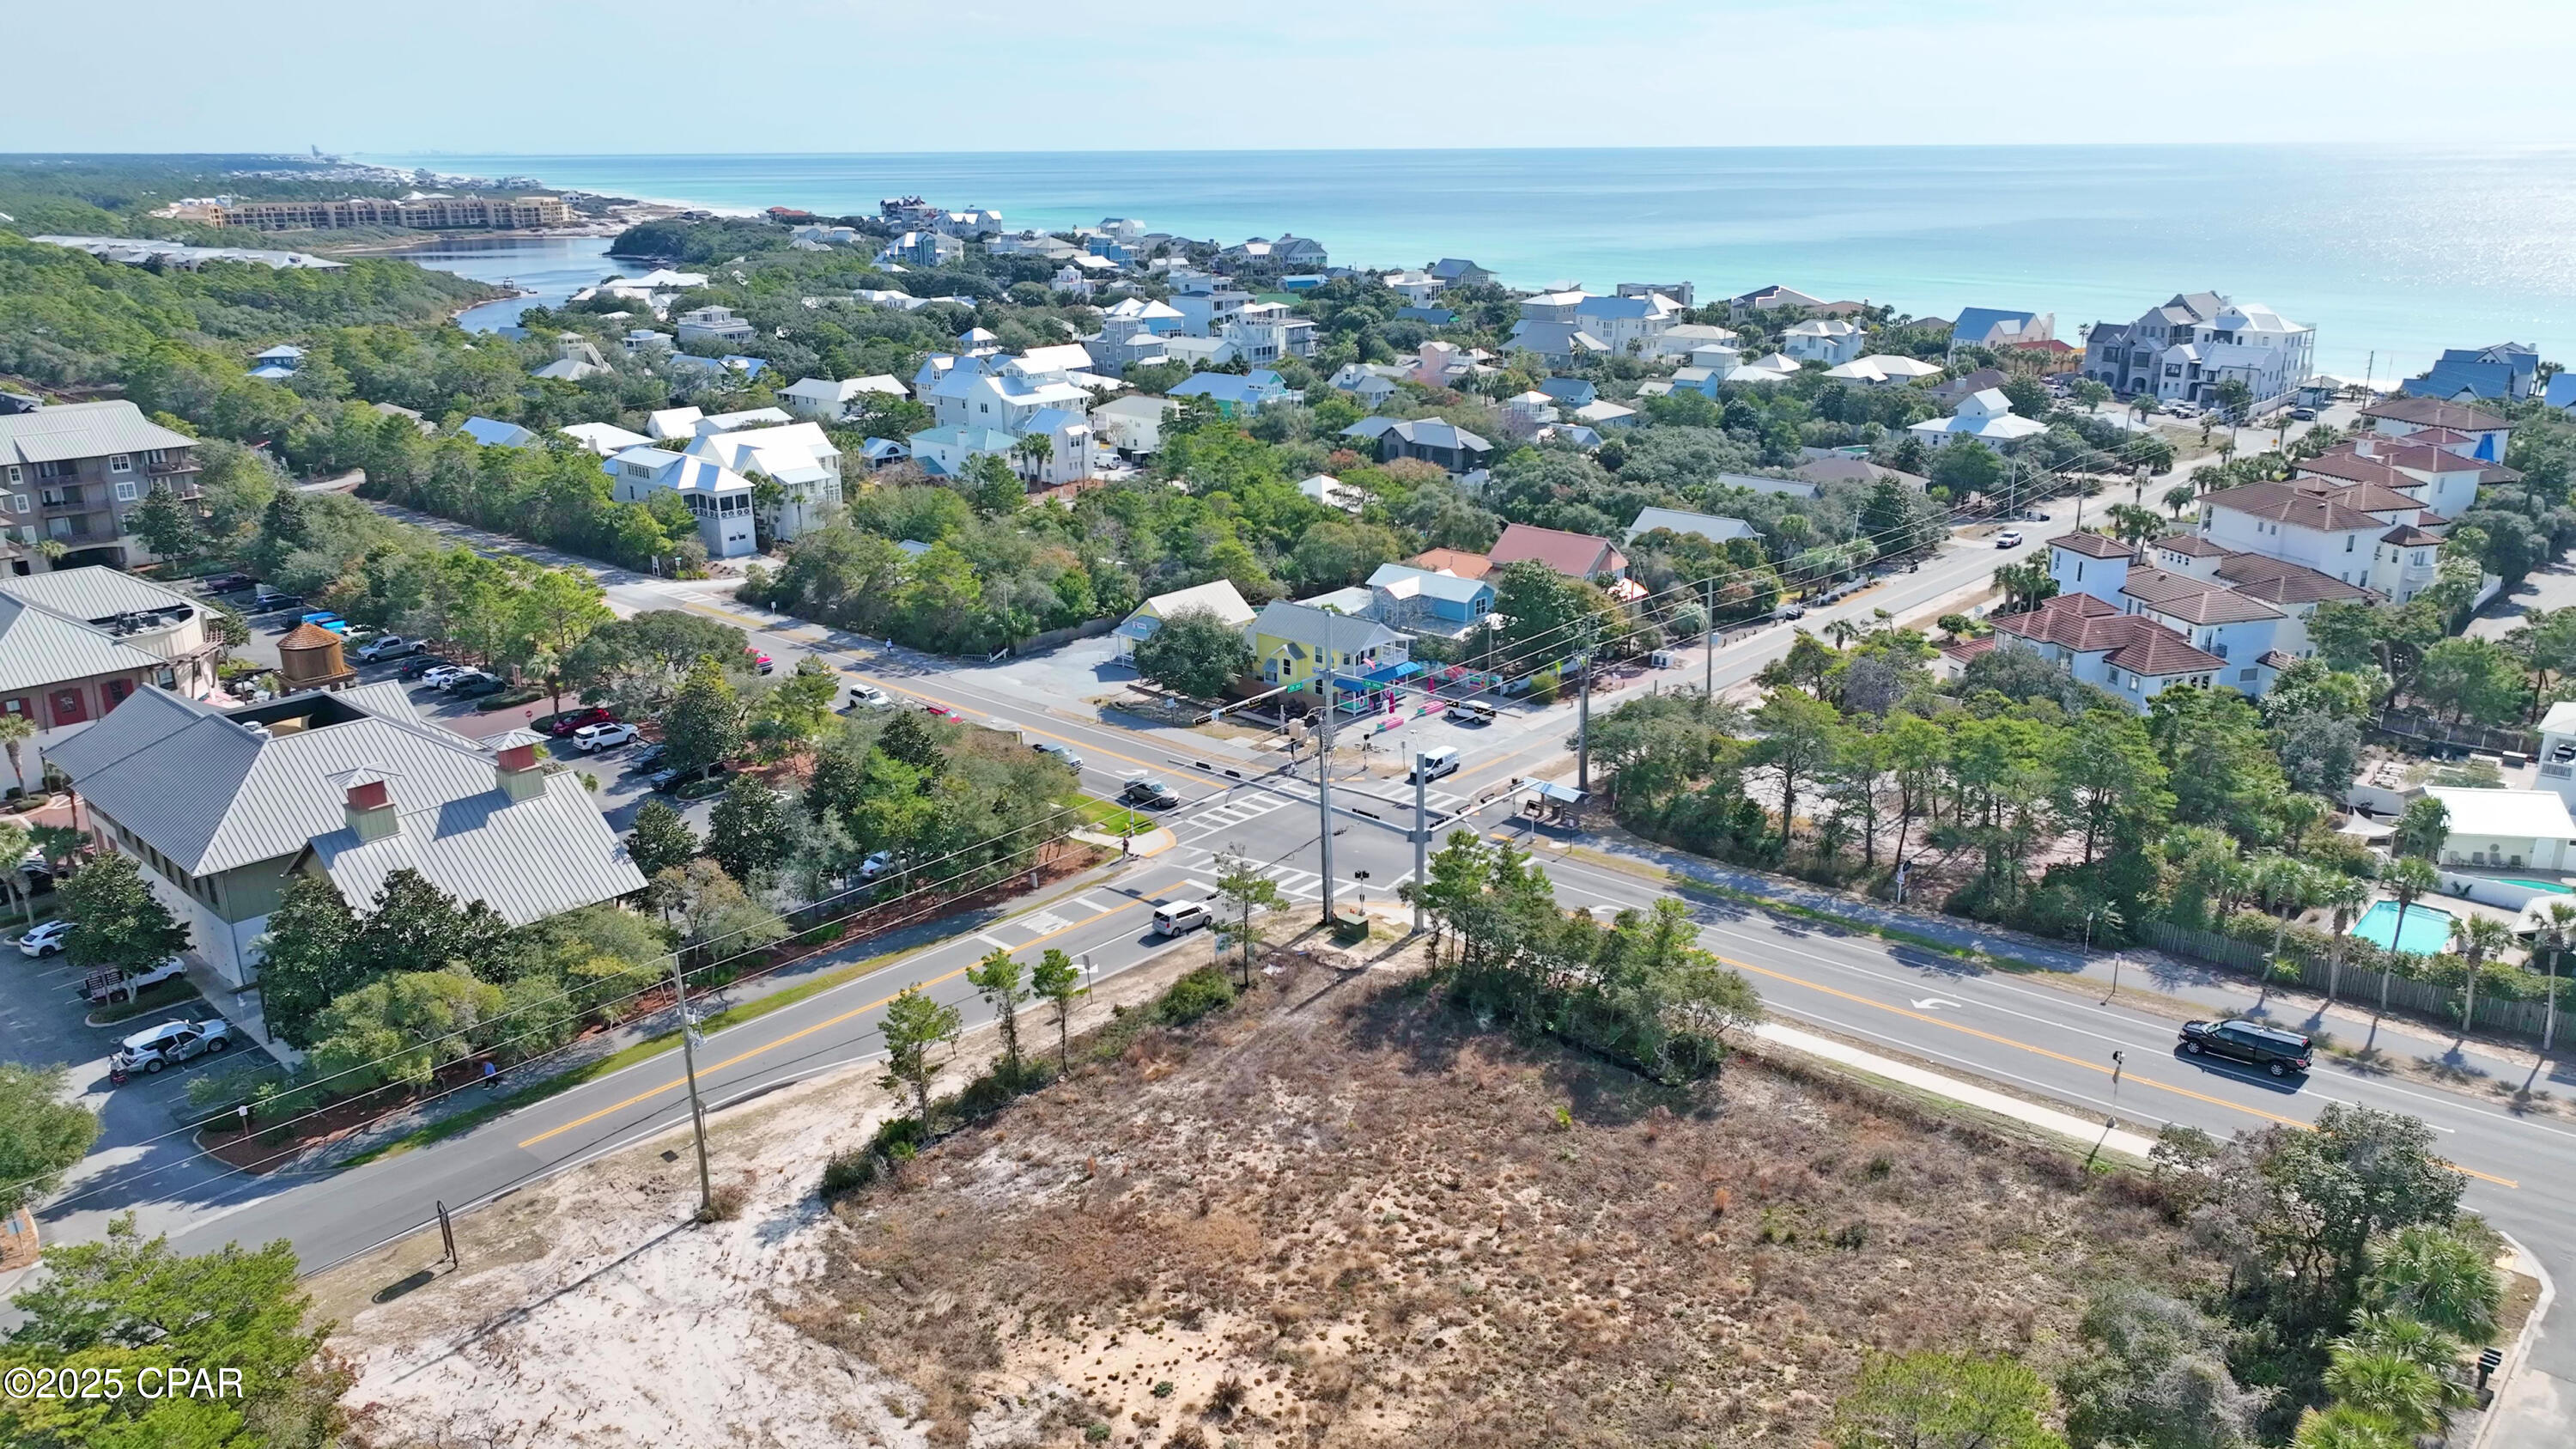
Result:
1132,425
1564,326
2506,829
1829,340
605,439
1985,416
1995,327
712,324
718,497
221,807
824,401
1220,598
799,457
1881,369
1715,528
2183,350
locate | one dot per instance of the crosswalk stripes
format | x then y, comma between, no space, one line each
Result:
1042,923
1088,904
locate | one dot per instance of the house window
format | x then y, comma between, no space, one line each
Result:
2245,674
17,474
2348,540
125,493
121,463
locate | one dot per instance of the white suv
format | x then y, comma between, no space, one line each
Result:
593,738
171,1042
47,939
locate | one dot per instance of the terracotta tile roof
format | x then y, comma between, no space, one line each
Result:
2086,625
2091,545
1967,649
2406,534
2192,545
2287,503
2277,659
2279,581
1575,555
2433,412
1453,561
2194,601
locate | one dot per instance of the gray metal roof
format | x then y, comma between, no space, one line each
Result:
82,430
1713,527
38,648
527,860
1321,628
92,593
210,792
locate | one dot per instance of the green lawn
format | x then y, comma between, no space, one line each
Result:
1113,819
150,998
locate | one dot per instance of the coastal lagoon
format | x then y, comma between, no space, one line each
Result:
2391,253
549,268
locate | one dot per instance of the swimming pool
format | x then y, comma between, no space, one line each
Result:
2428,931
2552,887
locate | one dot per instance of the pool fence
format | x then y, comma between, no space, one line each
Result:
2359,985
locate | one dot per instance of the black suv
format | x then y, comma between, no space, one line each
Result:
2274,1050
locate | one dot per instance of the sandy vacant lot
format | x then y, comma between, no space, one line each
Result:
1335,1214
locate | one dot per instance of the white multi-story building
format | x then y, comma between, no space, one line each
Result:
2361,534
797,456
1829,340
720,498
1564,325
2183,350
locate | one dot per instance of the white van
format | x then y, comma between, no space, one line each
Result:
1179,918
1432,764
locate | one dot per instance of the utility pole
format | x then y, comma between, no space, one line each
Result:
1324,787
697,1108
1583,718
1708,644
1421,835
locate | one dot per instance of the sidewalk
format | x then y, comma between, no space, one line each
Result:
2197,984
1984,1099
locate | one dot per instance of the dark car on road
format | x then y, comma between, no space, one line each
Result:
225,583
2251,1042
1152,794
420,664
670,781
477,685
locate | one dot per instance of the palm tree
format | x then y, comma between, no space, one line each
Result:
1034,449
2437,1278
2345,896
2179,497
2298,815
2284,883
2561,930
1841,632
2345,1427
2481,939
16,730
2411,878
2389,1385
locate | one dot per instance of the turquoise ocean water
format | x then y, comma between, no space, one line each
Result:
2393,252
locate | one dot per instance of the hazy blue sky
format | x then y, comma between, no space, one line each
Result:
523,76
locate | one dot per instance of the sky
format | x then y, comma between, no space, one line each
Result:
580,77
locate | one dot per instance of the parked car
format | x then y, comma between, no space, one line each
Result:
2252,1042
868,696
573,721
170,1043
388,646
225,583
270,601
597,737
1151,793
760,661
648,758
2009,538
1789,611
439,676
941,711
106,986
421,666
475,685
47,939
876,865
1059,753
667,781
1469,711
2303,415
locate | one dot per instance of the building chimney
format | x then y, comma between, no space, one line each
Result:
520,774
369,804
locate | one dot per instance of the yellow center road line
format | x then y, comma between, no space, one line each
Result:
676,1083
2091,1066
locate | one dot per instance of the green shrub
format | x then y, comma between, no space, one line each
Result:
1194,996
846,1172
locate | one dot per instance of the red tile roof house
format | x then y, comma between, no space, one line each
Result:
1575,555
2132,656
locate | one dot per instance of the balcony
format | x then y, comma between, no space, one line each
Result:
168,469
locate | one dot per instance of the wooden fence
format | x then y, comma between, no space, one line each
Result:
2358,986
